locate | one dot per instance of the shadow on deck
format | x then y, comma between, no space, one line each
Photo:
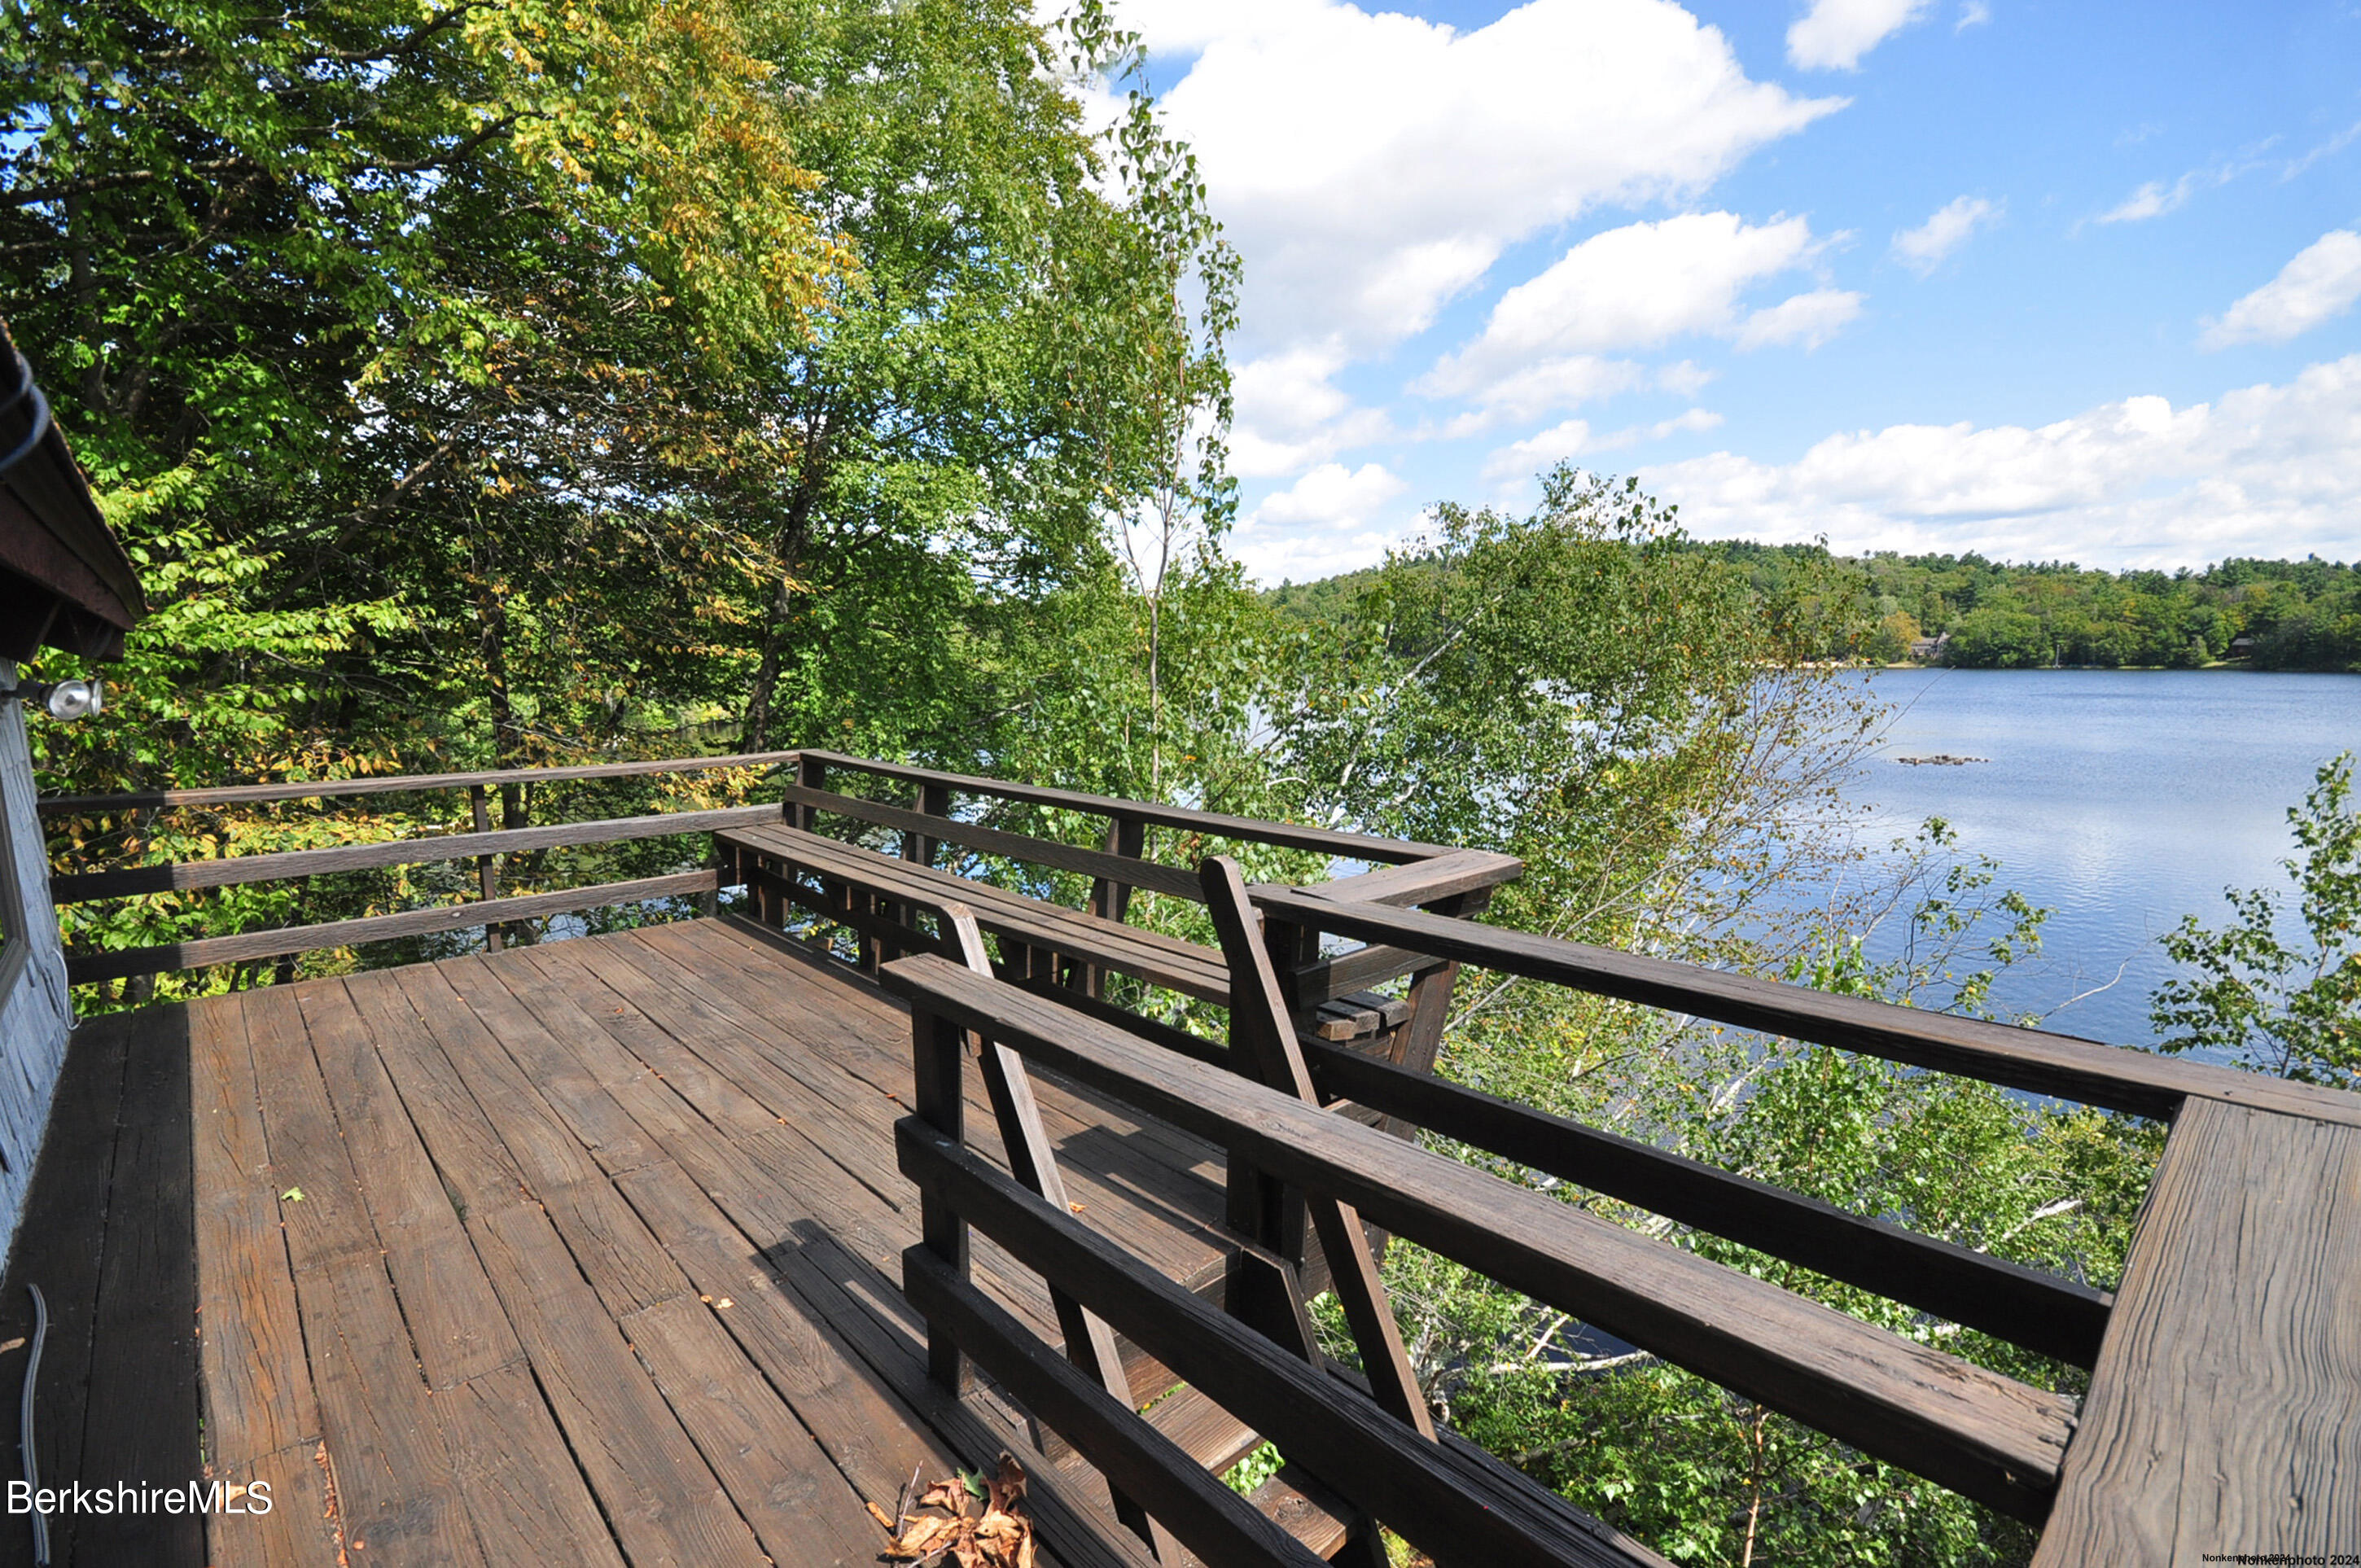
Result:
584,1253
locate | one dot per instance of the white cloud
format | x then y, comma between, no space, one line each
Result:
1834,34
2320,284
1565,382
1687,378
1687,420
1330,520
1643,283
1923,249
1330,496
1370,167
1289,412
1633,287
2328,148
1537,453
2130,483
2152,200
2156,198
1974,14
1808,319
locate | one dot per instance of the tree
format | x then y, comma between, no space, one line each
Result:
1890,643
372,317
494,383
1580,688
1012,370
2292,1008
1997,638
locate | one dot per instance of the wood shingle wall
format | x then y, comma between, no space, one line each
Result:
34,1011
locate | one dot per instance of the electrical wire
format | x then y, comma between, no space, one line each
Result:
25,1427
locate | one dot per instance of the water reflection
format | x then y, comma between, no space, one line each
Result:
2124,799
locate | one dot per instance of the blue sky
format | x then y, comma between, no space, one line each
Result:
2050,281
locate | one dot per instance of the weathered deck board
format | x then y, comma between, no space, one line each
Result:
2225,1415
594,1260
251,1336
146,1320
60,1246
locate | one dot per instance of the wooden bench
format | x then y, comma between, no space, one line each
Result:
1038,939
1049,946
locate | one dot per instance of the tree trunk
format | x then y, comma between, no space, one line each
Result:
794,537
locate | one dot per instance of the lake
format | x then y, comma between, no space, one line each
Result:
2123,799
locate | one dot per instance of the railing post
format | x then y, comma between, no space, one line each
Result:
1127,837
488,879
1421,1036
920,849
812,773
1263,1046
1111,899
939,1050
935,800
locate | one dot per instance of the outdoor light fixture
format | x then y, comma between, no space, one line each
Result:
67,699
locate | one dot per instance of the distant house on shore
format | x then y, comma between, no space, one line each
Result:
2240,648
1929,647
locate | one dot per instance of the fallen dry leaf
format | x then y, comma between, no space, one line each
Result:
951,1495
999,1536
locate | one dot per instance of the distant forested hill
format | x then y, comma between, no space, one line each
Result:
2276,614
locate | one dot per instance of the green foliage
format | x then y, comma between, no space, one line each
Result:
2272,615
2288,1008
2293,615
512,381
1580,689
1003,383
1253,1470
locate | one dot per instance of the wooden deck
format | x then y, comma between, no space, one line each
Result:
583,1253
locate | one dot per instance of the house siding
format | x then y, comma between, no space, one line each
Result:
35,1013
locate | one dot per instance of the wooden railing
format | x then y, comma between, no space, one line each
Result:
1271,1099
880,898
488,911
2034,1060
1986,1435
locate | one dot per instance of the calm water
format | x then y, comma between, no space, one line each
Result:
2124,799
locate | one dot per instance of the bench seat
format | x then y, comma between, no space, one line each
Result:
1031,923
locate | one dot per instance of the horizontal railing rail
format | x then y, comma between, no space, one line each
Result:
864,892
2024,1306
392,784
1129,869
1213,824
490,910
1434,1496
283,941
238,870
2113,1077
1986,1435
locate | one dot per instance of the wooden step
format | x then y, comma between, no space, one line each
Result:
1218,1439
1358,1015
1305,1509
1198,1426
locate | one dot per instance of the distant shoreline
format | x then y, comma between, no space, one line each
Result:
2220,669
